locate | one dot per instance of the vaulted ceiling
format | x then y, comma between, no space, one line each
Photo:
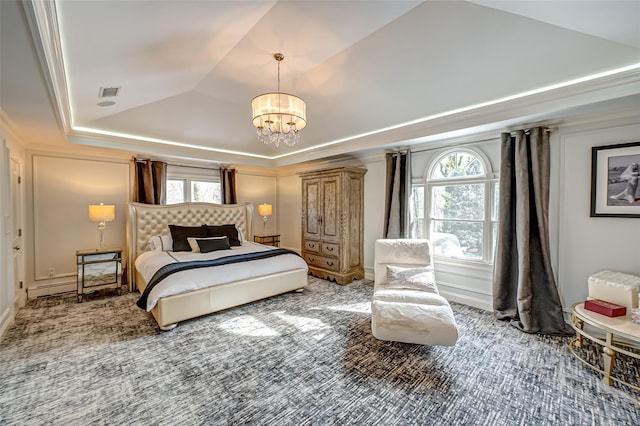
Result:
373,73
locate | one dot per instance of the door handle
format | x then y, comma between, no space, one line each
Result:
16,247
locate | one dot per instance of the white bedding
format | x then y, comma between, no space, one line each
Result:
193,279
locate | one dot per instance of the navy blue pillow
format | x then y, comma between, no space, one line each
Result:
207,246
179,234
229,231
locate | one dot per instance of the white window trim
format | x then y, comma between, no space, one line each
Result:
489,179
486,164
188,174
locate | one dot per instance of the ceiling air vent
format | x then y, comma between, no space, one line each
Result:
108,92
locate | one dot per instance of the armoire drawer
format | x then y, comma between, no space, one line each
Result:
322,262
329,249
310,245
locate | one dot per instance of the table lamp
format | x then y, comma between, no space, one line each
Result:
101,213
265,210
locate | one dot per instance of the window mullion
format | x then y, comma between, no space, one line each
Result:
487,228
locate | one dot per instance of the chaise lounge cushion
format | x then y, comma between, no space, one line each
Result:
406,306
413,317
421,278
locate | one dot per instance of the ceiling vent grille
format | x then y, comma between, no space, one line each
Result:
108,92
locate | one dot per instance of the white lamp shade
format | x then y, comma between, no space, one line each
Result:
265,210
102,213
280,111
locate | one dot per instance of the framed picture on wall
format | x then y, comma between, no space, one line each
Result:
615,180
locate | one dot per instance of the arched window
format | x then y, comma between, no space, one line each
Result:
456,207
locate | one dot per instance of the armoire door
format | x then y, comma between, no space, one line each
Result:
312,197
330,220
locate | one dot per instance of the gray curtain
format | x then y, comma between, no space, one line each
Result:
524,288
149,185
228,185
398,189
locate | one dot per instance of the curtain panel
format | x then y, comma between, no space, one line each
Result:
228,185
149,182
398,189
524,287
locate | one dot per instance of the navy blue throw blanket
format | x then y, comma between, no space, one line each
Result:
172,268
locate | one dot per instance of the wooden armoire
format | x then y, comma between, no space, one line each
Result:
332,215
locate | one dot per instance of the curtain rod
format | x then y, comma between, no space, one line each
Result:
436,148
218,167
527,129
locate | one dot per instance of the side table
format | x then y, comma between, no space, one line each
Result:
611,327
269,240
99,269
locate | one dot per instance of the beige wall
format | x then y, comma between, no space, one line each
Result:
290,211
258,187
64,184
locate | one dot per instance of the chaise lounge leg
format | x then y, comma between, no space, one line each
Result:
300,290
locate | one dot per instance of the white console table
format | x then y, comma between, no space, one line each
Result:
611,328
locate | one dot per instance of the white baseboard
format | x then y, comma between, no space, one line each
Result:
50,289
369,273
467,300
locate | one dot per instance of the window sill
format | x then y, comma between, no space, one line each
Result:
478,265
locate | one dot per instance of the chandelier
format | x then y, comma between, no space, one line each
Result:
279,117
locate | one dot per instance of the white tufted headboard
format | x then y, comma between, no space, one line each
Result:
146,220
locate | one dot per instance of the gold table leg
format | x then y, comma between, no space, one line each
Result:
609,356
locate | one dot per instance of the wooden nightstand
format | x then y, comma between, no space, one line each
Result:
268,240
99,269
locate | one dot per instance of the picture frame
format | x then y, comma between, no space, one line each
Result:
615,181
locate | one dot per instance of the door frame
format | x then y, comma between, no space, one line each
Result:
17,221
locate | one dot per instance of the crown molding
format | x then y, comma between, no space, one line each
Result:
43,24
511,111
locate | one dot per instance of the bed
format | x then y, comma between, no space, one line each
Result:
145,221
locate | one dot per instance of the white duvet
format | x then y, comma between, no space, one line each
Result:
194,279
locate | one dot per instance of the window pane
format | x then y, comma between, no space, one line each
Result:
175,191
494,227
206,192
458,202
416,208
496,198
457,164
457,239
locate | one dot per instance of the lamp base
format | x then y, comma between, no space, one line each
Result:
101,227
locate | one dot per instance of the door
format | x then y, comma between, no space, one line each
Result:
18,251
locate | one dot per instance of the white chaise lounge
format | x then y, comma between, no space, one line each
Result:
406,306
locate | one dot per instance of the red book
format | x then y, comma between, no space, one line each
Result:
605,308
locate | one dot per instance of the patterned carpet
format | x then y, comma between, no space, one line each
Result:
296,359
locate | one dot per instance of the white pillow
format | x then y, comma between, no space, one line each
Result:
195,248
162,242
422,278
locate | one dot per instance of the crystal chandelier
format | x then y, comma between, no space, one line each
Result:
279,117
